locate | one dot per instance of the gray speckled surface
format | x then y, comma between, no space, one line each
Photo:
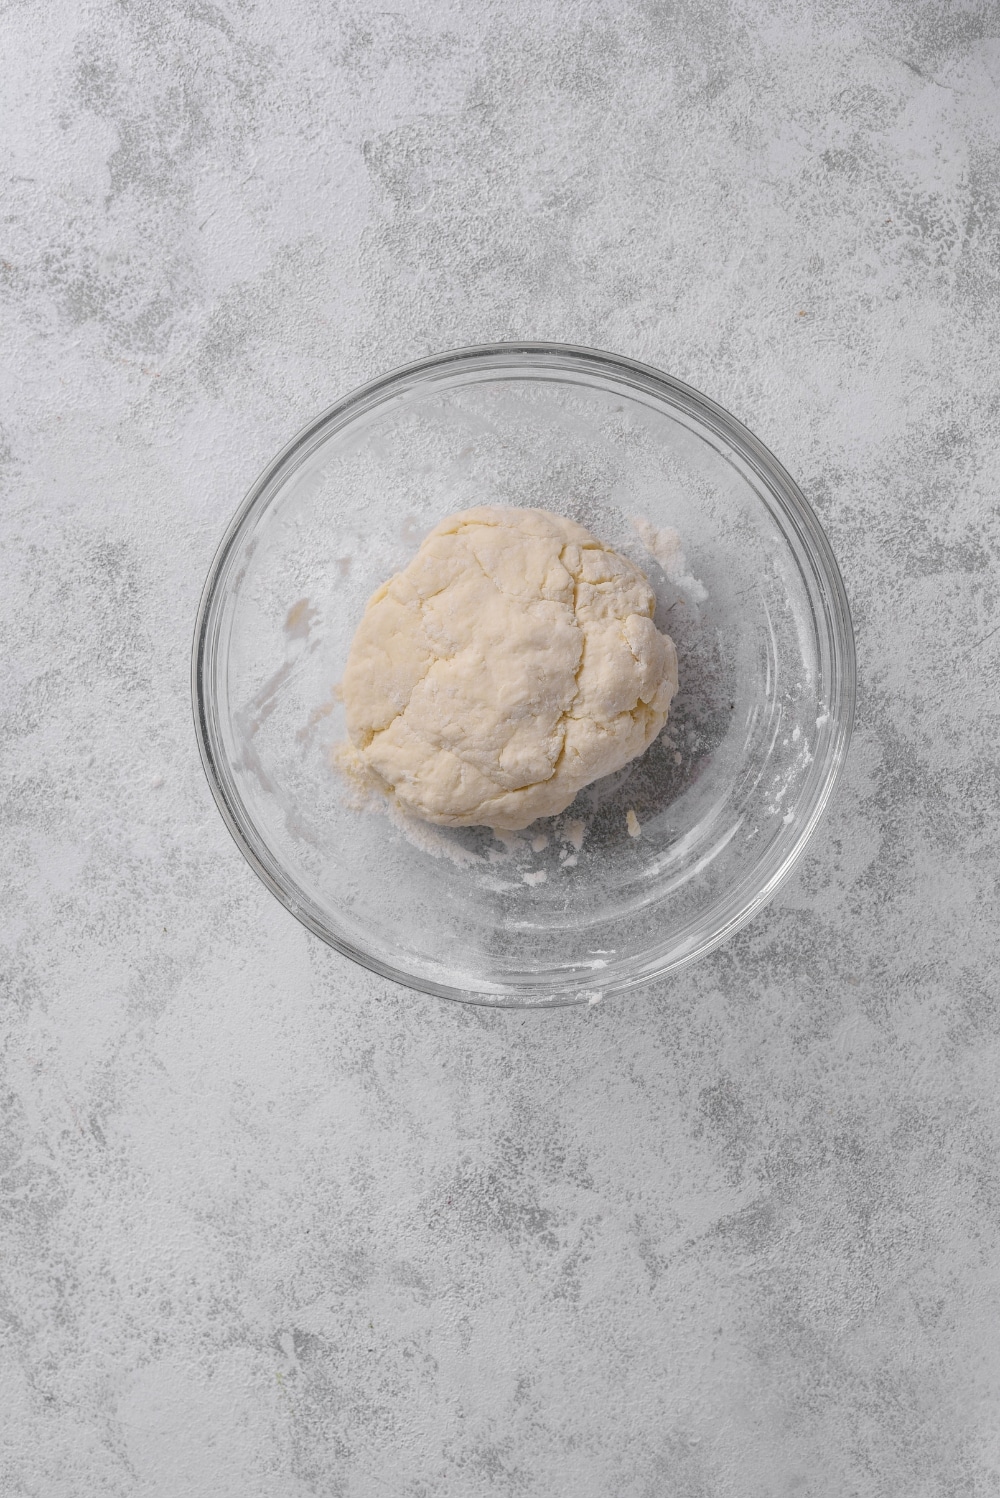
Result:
271,1226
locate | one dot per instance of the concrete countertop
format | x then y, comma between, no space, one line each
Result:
270,1225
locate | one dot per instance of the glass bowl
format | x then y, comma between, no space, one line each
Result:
722,804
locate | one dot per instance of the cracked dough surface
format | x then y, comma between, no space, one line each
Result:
511,663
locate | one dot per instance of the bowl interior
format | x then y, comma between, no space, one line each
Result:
577,905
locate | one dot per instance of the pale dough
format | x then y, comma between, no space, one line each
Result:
511,663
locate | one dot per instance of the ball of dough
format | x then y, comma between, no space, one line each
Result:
511,663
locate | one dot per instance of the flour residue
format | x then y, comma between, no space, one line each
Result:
424,836
664,543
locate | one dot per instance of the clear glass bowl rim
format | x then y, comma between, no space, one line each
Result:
540,354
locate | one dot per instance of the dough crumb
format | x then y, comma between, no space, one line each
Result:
576,832
632,823
534,877
540,842
513,662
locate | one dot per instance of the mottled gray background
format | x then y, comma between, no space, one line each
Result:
272,1226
